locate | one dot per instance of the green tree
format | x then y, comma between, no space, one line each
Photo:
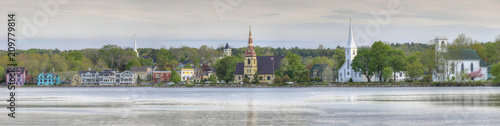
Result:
495,71
175,77
339,57
290,64
246,80
322,60
415,69
2,74
361,63
225,67
256,78
133,63
397,62
387,73
188,66
379,57
278,80
212,78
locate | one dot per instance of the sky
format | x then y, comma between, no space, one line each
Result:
79,24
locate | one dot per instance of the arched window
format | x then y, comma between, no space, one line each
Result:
452,68
348,64
462,68
268,77
471,67
353,52
249,61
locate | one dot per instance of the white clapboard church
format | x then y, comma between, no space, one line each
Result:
457,62
346,72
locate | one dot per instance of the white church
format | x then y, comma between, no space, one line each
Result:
457,62
346,72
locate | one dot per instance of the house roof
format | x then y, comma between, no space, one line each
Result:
139,69
319,67
46,74
109,71
22,69
82,72
463,54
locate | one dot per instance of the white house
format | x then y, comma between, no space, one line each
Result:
457,62
187,74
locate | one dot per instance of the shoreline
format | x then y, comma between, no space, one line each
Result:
292,86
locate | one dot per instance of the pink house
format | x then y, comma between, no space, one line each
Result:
20,75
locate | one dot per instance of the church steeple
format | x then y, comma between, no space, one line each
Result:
350,43
135,46
250,50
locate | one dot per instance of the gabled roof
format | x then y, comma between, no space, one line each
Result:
21,68
239,69
139,69
91,72
265,64
463,54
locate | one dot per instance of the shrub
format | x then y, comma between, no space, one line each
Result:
391,80
287,78
278,80
428,78
350,80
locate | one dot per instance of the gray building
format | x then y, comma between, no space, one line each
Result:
323,71
107,77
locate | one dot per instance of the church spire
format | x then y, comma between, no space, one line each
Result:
350,42
250,50
135,46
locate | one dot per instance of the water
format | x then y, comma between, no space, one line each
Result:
254,106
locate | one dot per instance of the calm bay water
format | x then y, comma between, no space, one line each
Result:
254,106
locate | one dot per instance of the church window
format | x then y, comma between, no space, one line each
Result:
452,68
462,67
340,75
353,52
359,74
248,61
254,62
268,77
348,64
471,67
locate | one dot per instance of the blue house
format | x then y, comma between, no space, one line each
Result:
48,79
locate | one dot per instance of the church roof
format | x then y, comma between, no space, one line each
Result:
264,65
482,63
227,46
463,54
350,42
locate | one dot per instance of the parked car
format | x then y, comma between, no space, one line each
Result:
181,83
170,83
289,82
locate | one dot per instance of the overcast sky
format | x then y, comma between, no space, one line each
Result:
78,24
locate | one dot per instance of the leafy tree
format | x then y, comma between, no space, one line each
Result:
397,62
379,57
133,63
2,74
475,74
339,57
287,78
175,77
415,69
146,62
256,78
361,63
246,80
188,66
278,80
212,78
322,60
290,64
387,73
495,72
225,68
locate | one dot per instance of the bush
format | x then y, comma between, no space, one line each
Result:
278,80
246,80
287,78
391,80
428,78
350,80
